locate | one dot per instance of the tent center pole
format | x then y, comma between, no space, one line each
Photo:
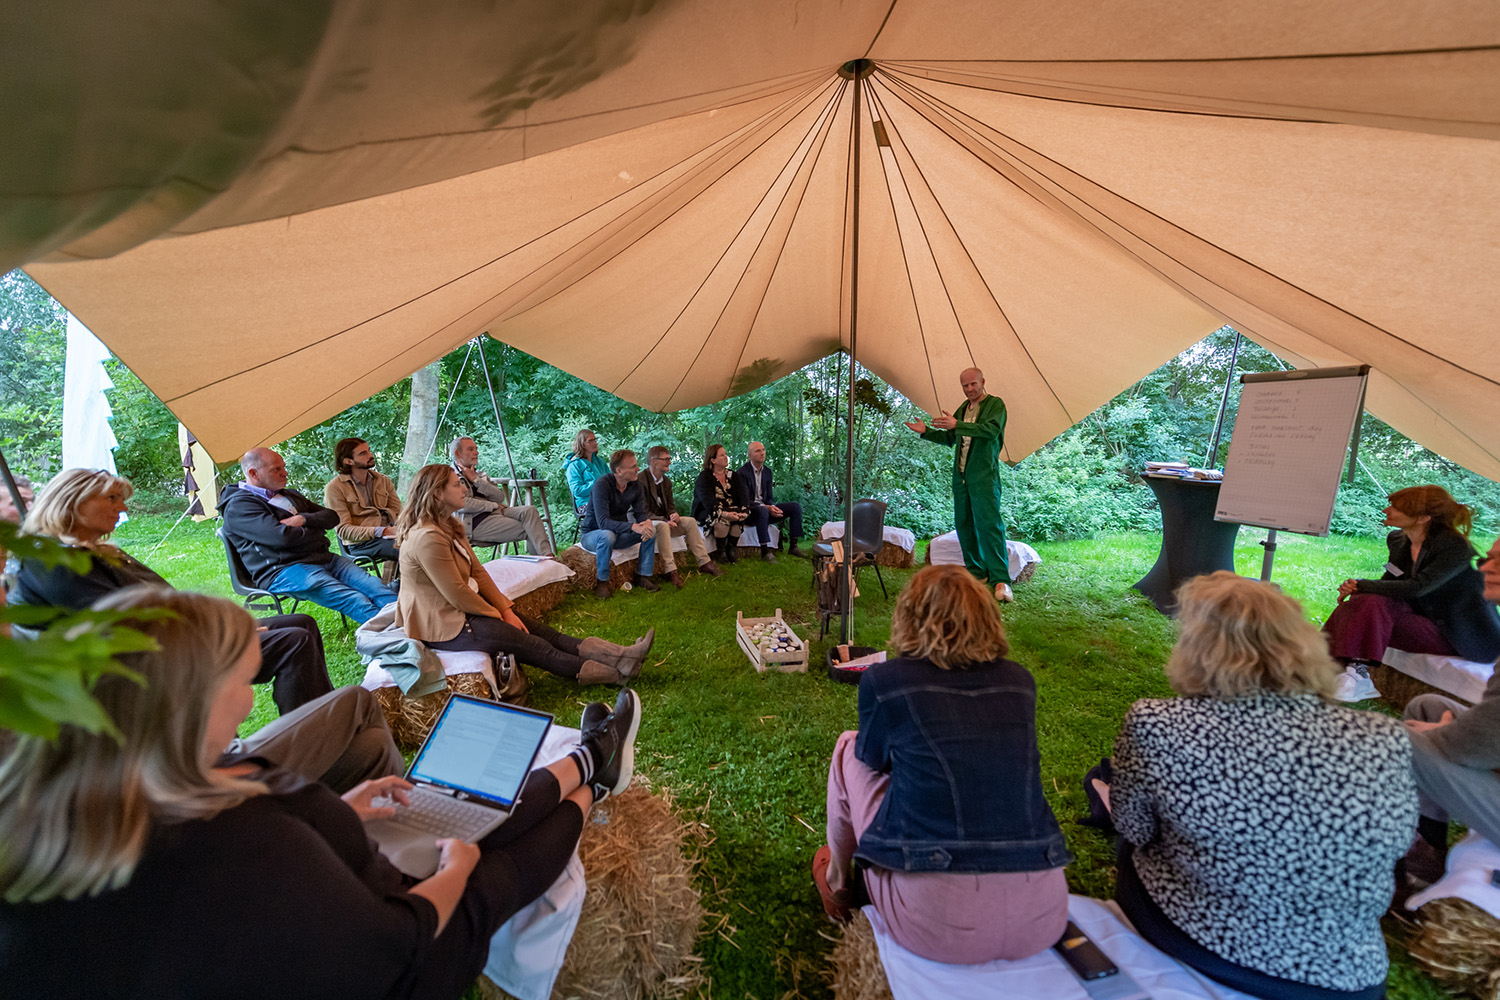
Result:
846,575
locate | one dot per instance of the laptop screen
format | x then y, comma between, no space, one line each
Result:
485,748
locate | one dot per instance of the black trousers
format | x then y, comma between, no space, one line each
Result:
292,661
540,645
761,520
518,861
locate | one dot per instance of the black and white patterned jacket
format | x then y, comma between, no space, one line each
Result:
1267,828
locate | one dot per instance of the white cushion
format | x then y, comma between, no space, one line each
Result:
1461,678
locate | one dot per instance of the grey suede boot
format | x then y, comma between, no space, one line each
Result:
594,672
627,659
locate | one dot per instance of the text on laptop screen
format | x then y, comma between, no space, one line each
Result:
481,747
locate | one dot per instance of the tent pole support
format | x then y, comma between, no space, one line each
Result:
1234,359
452,391
10,485
846,577
489,384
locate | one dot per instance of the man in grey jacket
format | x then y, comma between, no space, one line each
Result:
1456,750
487,518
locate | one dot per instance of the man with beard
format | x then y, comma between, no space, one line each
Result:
365,501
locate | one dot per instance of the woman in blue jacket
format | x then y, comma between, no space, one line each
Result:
935,807
583,467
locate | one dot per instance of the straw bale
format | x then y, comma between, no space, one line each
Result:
1459,946
894,555
411,719
583,566
541,600
1397,688
857,972
642,913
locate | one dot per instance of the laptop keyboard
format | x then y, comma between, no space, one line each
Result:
445,817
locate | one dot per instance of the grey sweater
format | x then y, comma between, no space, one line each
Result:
1473,738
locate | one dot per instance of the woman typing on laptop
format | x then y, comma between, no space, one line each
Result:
181,873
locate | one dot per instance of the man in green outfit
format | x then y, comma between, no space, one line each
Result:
977,433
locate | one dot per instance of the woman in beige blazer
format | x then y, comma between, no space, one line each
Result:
449,602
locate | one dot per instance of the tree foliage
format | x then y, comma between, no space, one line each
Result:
1085,480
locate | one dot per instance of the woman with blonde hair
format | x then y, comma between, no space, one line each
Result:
176,872
935,806
583,467
1260,822
80,508
1430,599
449,602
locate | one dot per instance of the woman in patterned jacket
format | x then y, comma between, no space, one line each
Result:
1260,822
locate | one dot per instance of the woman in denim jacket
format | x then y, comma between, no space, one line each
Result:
937,800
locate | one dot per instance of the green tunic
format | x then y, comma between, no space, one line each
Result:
976,488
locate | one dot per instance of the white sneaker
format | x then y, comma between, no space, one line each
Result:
1003,593
1354,684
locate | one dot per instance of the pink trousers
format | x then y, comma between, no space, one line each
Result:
1364,625
961,918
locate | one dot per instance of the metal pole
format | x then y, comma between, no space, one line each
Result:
452,391
1213,449
490,385
1270,546
10,485
846,577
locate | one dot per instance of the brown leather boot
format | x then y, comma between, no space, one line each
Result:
594,672
676,579
603,591
711,568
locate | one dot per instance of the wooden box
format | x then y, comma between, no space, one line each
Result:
758,638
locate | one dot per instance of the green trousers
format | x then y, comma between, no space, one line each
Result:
981,529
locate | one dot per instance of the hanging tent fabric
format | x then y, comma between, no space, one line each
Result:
269,213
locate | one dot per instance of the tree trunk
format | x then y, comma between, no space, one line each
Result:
421,422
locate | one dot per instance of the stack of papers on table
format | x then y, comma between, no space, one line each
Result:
1181,470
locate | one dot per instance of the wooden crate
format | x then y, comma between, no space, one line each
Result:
787,661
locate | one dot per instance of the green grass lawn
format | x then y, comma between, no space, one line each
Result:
747,754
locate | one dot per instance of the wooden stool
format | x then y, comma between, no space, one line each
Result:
523,492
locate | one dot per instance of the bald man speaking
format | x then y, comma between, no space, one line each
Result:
976,433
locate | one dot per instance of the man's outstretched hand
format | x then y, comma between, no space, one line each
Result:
920,426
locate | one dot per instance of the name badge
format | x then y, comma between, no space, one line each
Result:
1393,569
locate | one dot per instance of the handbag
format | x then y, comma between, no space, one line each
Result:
511,684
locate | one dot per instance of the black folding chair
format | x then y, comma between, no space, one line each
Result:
869,538
256,598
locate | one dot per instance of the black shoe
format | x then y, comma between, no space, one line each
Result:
646,583
1098,817
731,550
795,552
612,742
767,554
595,715
603,590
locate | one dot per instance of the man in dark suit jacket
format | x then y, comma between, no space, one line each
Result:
282,538
755,477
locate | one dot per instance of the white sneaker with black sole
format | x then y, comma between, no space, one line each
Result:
1354,684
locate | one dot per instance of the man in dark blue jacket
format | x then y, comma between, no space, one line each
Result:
755,477
616,518
282,538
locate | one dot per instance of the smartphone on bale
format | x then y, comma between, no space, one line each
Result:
1083,955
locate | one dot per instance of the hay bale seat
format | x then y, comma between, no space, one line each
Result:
641,913
623,563
1458,944
411,719
857,973
945,550
1402,676
897,549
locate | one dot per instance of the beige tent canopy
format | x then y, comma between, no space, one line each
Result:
271,211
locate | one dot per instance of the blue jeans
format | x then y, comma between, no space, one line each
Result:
340,585
602,542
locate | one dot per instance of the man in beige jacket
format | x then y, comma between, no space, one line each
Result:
366,503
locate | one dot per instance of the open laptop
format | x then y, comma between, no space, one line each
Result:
467,779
